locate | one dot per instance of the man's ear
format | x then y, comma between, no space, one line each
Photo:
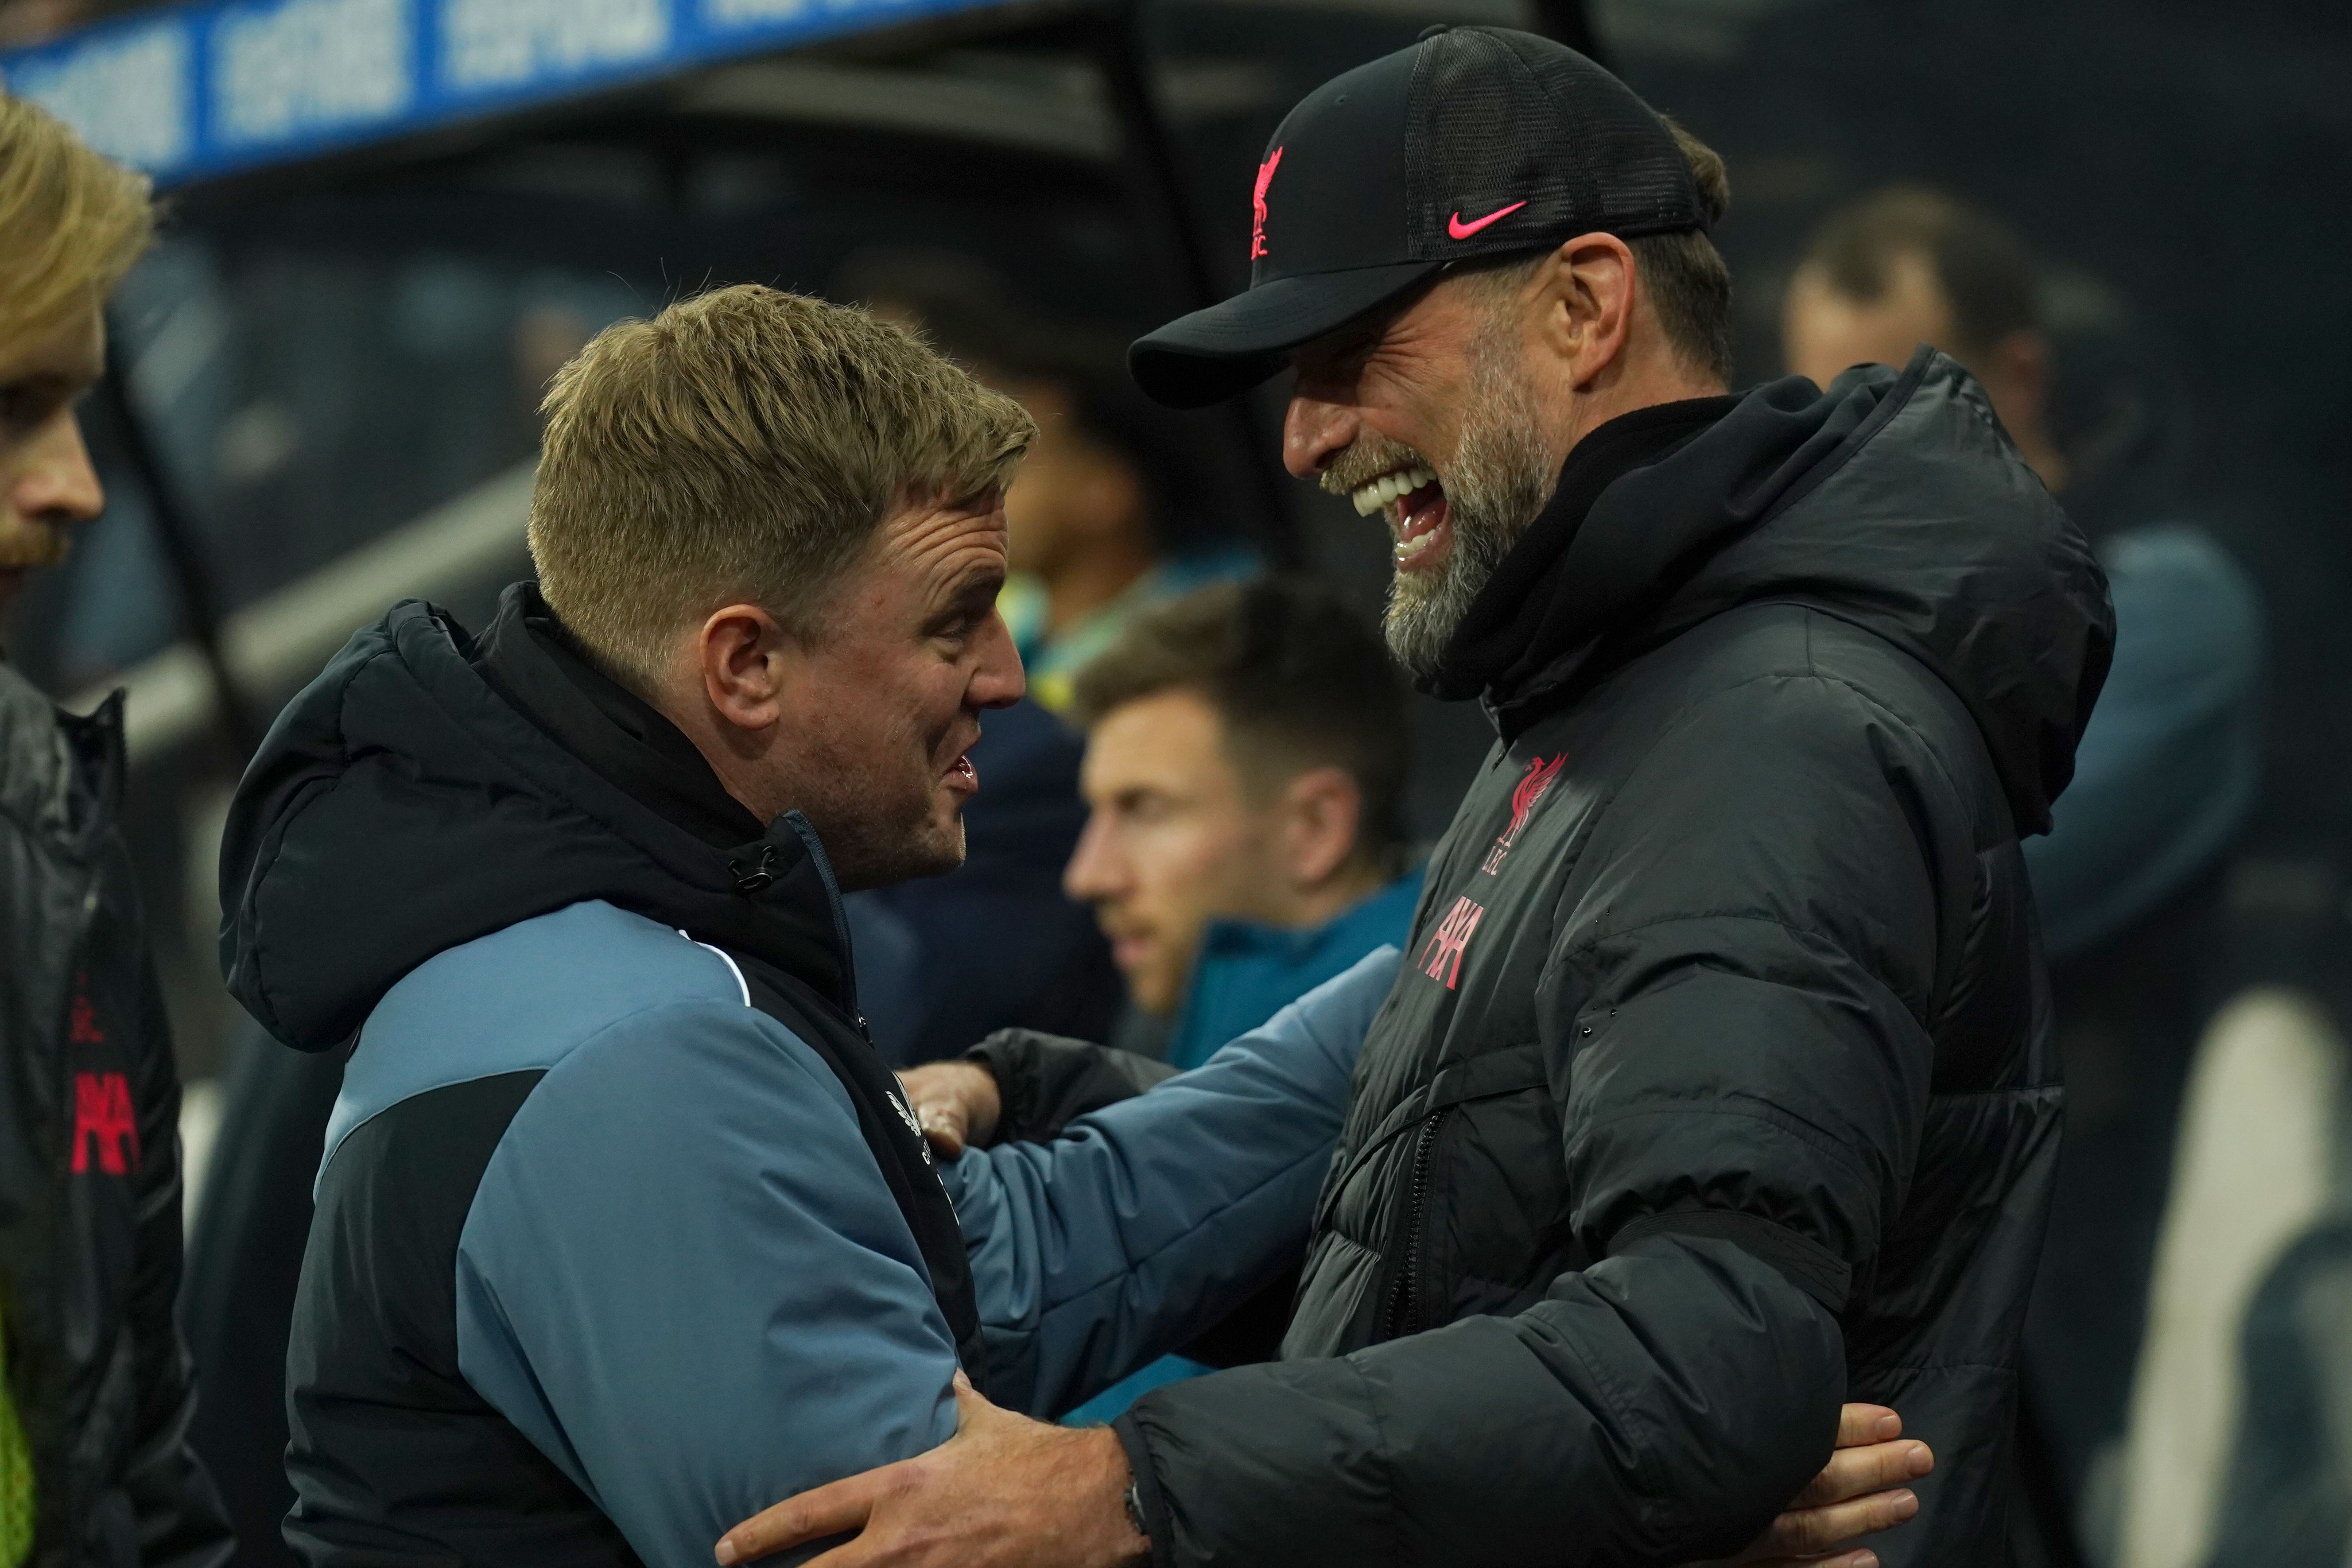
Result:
1323,812
743,657
1587,286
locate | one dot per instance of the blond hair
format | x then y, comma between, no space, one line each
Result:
71,221
743,447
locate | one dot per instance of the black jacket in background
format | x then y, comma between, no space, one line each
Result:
89,1164
1718,1085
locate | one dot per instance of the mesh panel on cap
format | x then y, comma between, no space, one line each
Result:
1643,184
1495,118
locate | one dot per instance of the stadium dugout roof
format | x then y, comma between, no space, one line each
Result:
193,92
230,104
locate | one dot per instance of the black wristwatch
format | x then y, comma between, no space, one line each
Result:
1134,1509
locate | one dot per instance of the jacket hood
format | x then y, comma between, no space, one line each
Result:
401,805
1892,502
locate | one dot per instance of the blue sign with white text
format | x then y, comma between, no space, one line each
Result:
198,89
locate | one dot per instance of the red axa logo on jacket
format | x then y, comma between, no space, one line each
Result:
105,1119
1441,958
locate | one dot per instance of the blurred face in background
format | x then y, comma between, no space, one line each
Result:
48,488
1182,832
1074,497
1823,330
1174,840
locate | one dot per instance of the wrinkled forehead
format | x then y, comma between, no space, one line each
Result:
938,536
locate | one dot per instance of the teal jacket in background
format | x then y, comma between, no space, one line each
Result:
1246,975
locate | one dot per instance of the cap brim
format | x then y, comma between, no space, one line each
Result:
1211,355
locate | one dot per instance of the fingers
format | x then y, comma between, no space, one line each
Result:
1859,1423
1843,1560
844,1505
1850,1472
1803,1533
943,1130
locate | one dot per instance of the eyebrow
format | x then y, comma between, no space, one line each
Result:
974,589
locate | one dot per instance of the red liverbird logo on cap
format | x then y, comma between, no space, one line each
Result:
1257,202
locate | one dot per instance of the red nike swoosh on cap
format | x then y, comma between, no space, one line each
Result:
1460,230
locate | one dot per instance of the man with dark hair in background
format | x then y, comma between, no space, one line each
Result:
1246,749
1716,1082
2127,879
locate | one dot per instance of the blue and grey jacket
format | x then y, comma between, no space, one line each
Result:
621,1232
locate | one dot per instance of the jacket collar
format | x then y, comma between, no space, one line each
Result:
1381,912
1509,633
60,775
529,655
404,805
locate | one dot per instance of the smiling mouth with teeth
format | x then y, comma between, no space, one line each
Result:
1415,505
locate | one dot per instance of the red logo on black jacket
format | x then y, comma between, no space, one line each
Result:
1524,801
104,1118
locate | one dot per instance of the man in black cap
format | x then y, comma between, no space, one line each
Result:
1715,1082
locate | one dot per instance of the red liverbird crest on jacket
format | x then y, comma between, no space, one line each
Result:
1257,202
1524,800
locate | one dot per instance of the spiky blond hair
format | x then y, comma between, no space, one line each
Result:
742,446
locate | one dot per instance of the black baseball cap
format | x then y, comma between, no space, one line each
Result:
1476,142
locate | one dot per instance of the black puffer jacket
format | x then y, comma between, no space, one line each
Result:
1718,1083
89,1164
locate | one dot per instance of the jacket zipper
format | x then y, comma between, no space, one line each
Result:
1404,1302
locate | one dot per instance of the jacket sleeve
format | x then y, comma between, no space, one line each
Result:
1045,1082
684,1279
181,1521
1733,1013
1154,1218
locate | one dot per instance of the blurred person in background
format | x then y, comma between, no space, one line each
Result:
1107,511
2126,881
95,1470
1246,750
1719,1079
1247,746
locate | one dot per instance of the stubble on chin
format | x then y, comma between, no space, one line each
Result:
869,854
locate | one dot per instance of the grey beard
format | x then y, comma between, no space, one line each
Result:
1502,477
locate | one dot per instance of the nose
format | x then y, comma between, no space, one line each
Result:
58,484
997,678
1314,430
1094,873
